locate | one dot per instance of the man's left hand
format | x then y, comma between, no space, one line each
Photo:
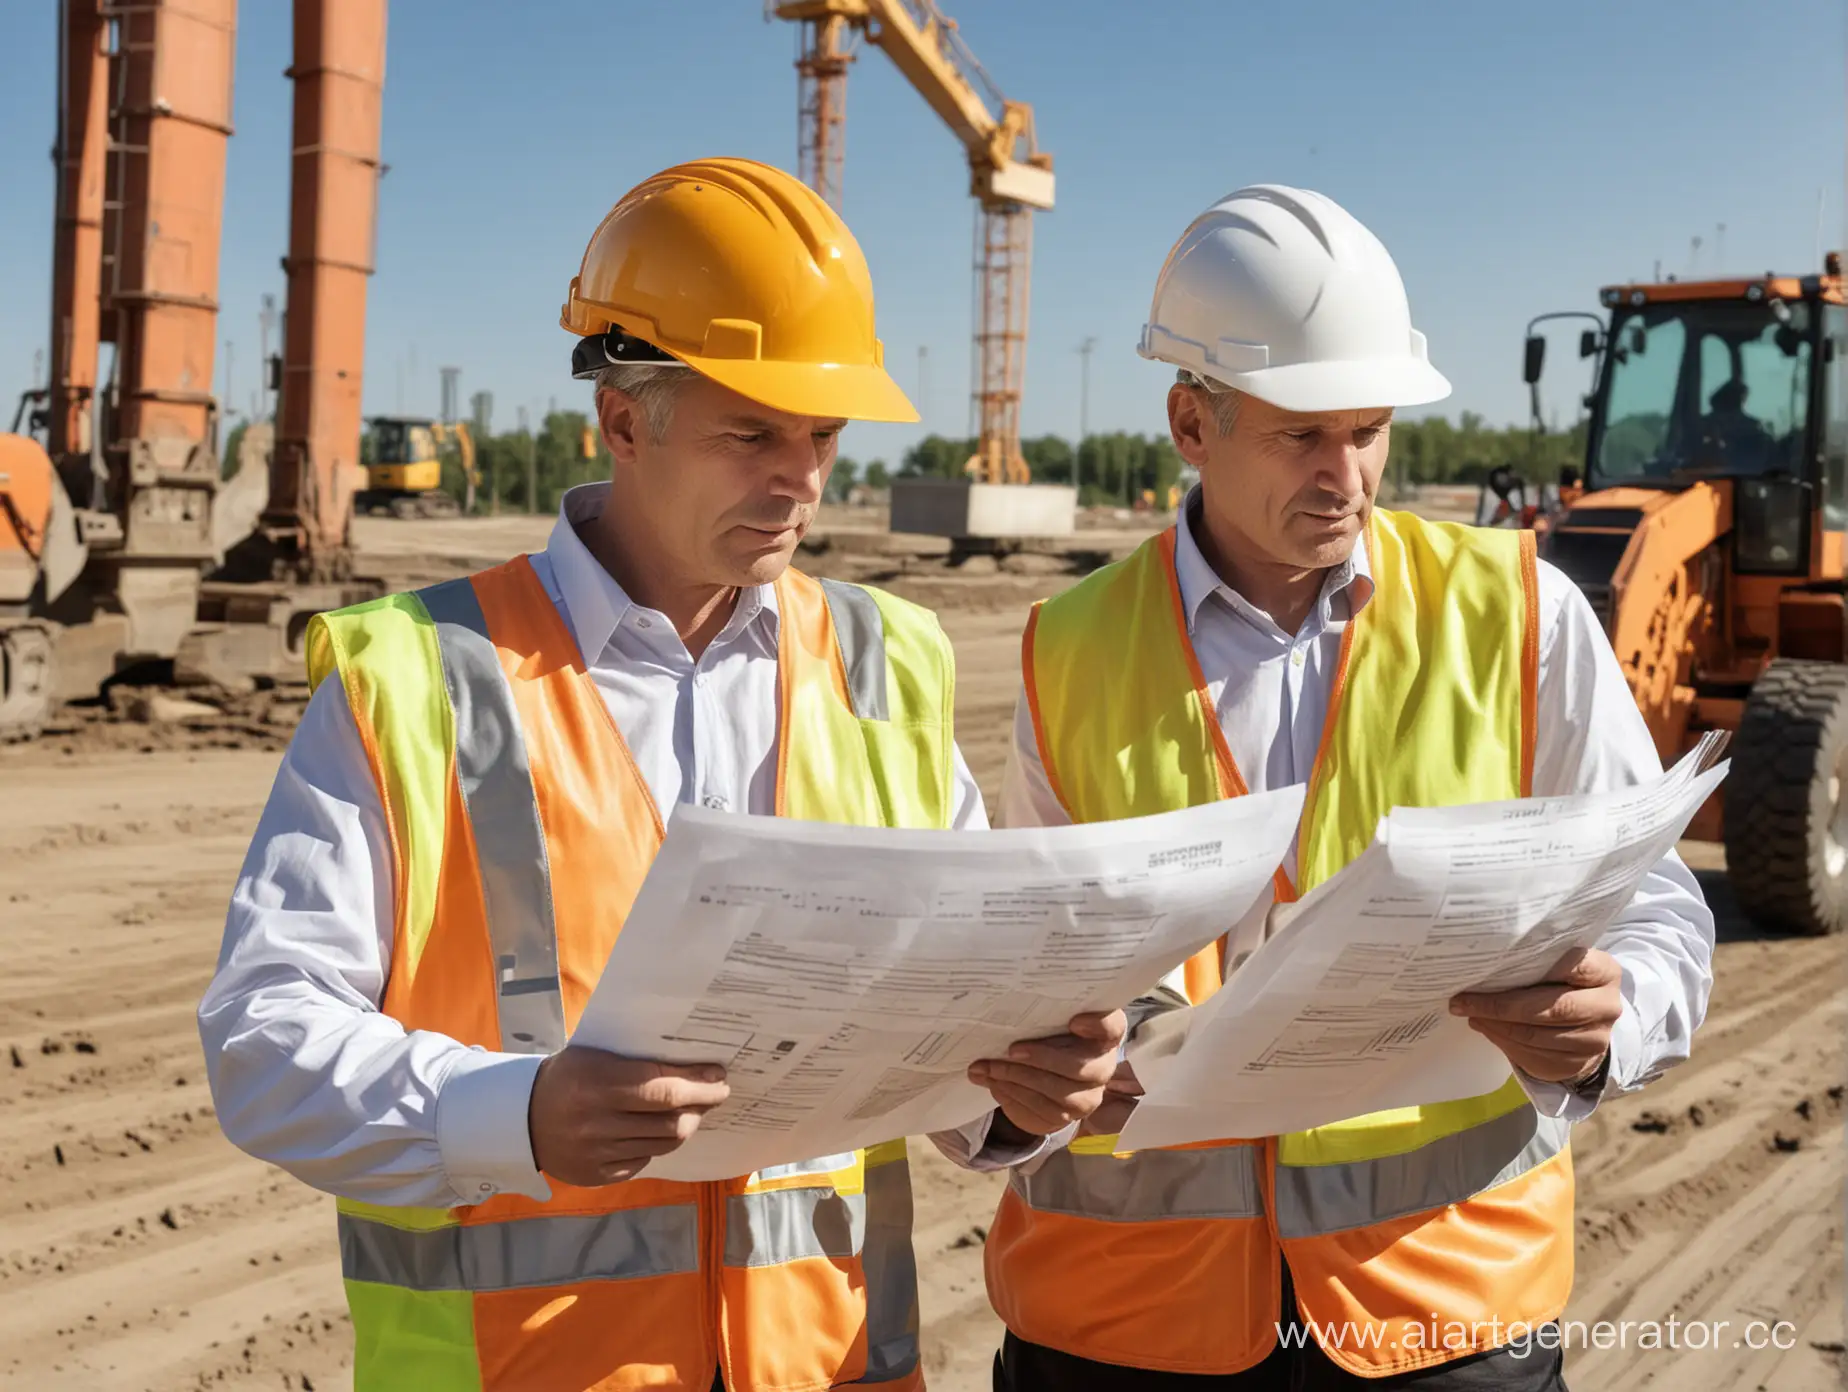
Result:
1045,1084
1560,1030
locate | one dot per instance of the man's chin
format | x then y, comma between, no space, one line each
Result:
763,567
1321,542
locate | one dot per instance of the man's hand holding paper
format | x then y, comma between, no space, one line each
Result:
1558,1030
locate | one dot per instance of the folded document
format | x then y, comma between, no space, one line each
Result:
1344,1008
847,977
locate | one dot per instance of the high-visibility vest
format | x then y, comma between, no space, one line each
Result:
1447,1217
520,832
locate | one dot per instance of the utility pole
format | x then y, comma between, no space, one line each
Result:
452,377
1084,406
532,463
266,320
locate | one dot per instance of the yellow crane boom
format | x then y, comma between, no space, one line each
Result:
1009,176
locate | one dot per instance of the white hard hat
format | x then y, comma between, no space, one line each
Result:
1282,293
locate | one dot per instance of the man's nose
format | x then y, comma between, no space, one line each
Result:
1337,467
796,468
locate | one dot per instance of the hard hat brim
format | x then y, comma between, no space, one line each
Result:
851,391
1355,385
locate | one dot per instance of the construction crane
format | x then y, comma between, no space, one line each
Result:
1009,176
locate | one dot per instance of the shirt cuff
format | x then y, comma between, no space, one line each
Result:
1626,1056
481,1126
1570,1102
968,1146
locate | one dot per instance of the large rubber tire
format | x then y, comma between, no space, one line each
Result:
1786,799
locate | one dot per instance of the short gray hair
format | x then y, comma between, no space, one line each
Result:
652,386
1224,401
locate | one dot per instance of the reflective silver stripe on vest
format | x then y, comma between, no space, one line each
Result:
861,632
523,1252
785,1225
497,790
1147,1187
891,1274
821,1164
1314,1199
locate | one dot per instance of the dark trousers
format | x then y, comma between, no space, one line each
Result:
1295,1365
1024,1367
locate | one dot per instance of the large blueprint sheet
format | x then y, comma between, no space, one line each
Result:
1344,1009
846,977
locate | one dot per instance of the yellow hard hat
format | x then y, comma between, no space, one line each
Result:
744,274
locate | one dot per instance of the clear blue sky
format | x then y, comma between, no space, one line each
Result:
1513,157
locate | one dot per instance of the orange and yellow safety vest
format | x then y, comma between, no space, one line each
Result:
1455,1218
520,833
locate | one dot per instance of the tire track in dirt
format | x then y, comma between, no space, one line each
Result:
1713,1195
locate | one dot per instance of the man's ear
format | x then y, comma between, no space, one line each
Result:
620,422
1187,425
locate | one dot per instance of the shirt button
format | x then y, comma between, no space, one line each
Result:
715,802
643,621
1296,657
487,1188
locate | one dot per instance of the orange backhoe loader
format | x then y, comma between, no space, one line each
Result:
1709,539
120,544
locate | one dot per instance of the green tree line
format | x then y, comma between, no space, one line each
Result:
554,455
1117,467
1114,468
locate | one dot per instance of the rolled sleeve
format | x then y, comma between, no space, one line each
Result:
1591,738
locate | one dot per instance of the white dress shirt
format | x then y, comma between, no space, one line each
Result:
1271,689
305,1070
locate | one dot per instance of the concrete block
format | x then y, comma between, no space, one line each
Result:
963,508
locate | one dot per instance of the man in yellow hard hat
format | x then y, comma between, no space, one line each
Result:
474,796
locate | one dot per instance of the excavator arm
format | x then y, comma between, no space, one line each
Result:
458,434
1662,597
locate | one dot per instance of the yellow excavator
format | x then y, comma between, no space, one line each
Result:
1709,539
404,467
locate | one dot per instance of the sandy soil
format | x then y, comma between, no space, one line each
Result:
139,1250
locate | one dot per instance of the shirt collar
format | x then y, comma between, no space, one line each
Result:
595,605
1200,582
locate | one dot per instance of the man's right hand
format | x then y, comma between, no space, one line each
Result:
596,1118
1120,1096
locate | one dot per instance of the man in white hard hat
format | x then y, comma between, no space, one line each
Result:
1285,631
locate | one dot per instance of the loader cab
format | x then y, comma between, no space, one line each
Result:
1734,384
1726,387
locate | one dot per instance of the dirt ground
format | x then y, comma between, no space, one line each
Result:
139,1250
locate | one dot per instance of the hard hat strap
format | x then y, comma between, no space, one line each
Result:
607,349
